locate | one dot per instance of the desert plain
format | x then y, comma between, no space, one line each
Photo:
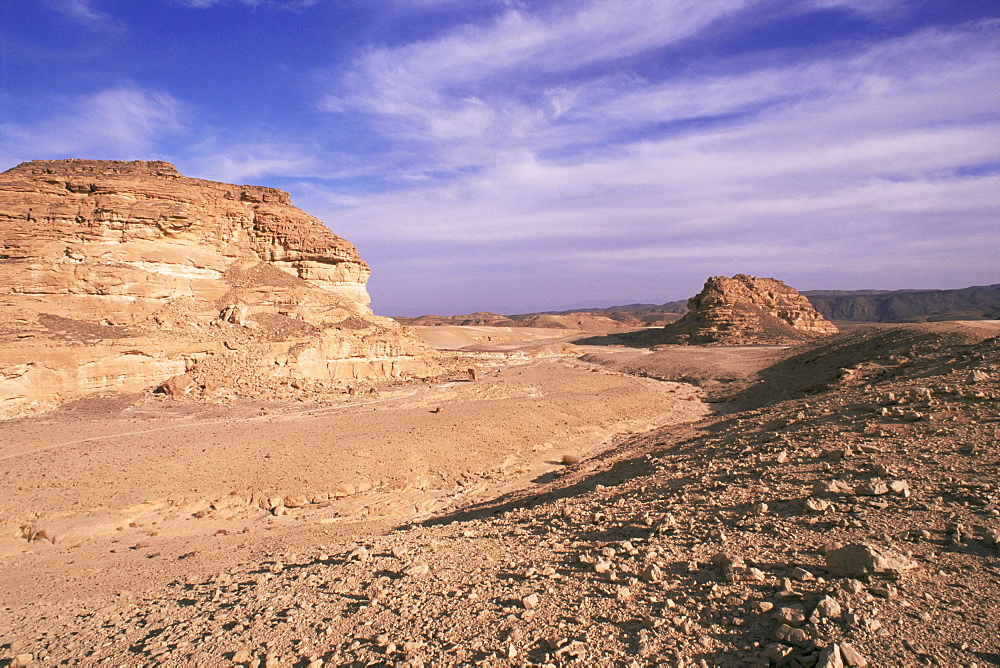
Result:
436,523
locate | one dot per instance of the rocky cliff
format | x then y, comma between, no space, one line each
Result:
118,275
744,309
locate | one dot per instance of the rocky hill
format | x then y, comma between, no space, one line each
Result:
972,303
120,275
745,309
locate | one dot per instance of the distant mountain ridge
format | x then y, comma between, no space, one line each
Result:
978,302
972,303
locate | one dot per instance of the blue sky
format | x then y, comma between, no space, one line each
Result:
520,155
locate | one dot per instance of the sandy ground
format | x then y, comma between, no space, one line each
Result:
94,480
433,524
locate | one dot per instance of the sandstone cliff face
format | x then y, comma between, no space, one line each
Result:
116,275
744,310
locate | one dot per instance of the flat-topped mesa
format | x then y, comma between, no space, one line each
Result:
745,310
115,275
115,215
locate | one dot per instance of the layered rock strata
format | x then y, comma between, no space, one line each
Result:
118,275
745,310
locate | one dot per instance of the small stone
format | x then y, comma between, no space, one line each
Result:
178,386
831,487
857,560
22,660
760,508
852,586
831,546
724,560
817,505
781,457
530,602
242,656
883,592
623,593
791,635
827,608
417,569
760,607
778,653
652,573
852,657
787,591
602,566
872,489
793,615
298,501
977,376
801,574
359,553
830,657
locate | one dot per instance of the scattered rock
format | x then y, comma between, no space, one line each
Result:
360,553
852,657
978,376
859,560
830,657
178,386
827,608
417,569
817,505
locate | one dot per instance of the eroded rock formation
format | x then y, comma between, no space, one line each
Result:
118,275
745,309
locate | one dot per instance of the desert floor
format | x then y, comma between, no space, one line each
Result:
568,505
103,475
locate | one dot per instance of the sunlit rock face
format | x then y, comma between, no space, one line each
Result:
745,310
115,275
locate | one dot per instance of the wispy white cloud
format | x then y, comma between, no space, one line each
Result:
833,158
530,83
472,82
84,13
276,4
242,162
124,122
